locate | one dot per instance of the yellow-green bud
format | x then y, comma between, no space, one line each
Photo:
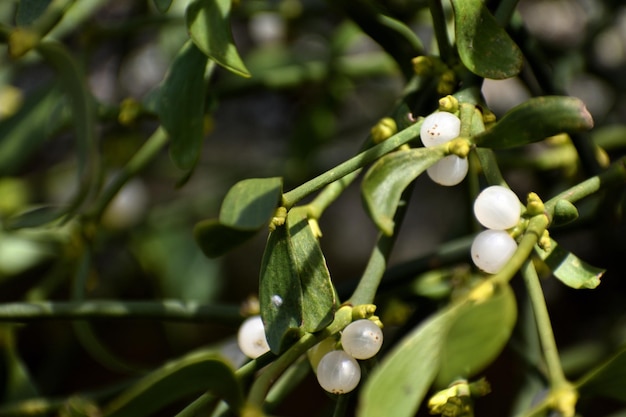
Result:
22,41
449,103
459,147
11,99
423,66
280,216
363,311
384,129
129,110
534,205
447,83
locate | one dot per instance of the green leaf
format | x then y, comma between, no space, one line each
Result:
216,239
181,105
397,386
484,47
194,373
318,293
29,10
163,5
570,269
251,203
280,291
385,181
16,382
209,26
607,380
535,120
477,336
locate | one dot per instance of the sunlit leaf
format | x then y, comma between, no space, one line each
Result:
209,26
29,10
215,239
181,105
568,268
607,380
385,181
398,385
163,5
484,47
535,120
477,336
194,373
250,203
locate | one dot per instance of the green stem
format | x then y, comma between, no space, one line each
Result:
53,14
441,29
544,327
505,11
138,162
359,161
287,383
170,310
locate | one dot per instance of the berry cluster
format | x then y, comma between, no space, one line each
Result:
497,208
338,371
437,129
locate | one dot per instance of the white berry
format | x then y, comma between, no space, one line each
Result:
497,207
317,352
251,337
438,128
338,372
362,339
449,170
492,249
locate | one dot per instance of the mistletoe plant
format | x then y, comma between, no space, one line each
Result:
306,325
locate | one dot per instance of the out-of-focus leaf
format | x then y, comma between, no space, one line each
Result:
181,105
280,291
163,5
29,10
19,253
250,203
34,218
23,133
607,380
477,336
194,373
568,268
484,47
74,83
385,181
318,293
535,120
215,239
209,26
397,386
16,380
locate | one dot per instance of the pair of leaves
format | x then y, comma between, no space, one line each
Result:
458,341
385,181
194,373
247,207
296,292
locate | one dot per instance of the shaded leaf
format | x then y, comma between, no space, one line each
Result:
17,382
29,10
209,26
385,181
535,120
181,105
163,5
568,268
251,203
606,380
397,386
215,239
477,336
194,373
484,47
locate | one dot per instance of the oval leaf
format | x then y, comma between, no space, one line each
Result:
163,5
194,373
477,336
318,293
181,105
215,239
209,26
385,181
607,380
484,47
251,203
30,10
535,120
400,382
568,268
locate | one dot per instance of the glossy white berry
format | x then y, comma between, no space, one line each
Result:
362,339
449,170
338,372
492,249
438,128
497,207
317,352
251,337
